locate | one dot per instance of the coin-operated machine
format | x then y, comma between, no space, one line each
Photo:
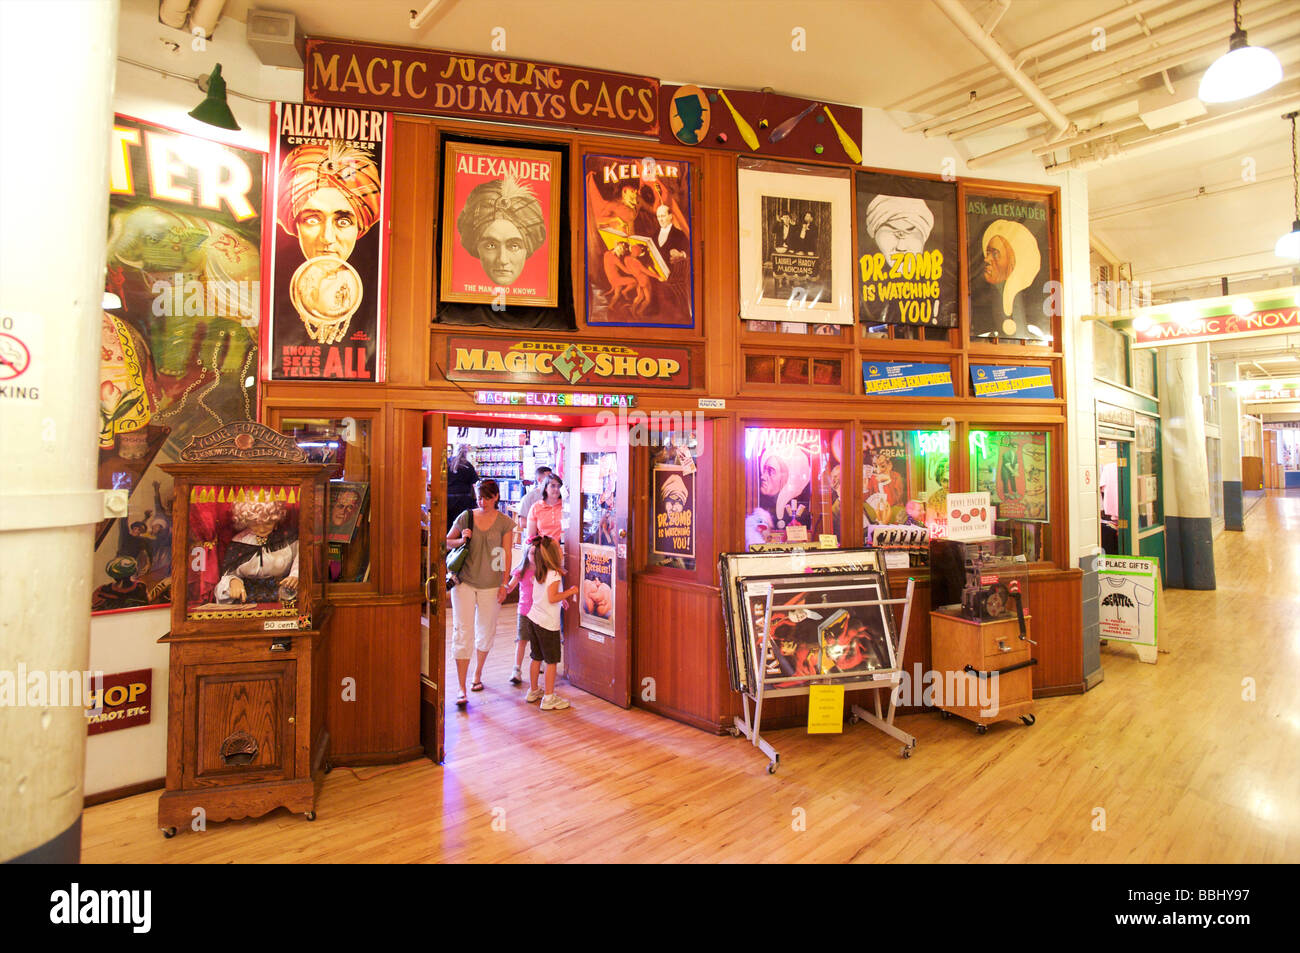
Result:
249,629
979,631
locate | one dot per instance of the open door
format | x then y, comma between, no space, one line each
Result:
597,631
433,626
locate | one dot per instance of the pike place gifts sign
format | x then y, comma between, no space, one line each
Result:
506,361
442,83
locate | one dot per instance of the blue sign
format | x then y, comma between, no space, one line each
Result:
993,380
891,379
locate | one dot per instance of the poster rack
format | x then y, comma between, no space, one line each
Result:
878,680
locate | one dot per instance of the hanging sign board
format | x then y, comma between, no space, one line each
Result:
995,380
509,361
1220,327
444,83
122,700
887,378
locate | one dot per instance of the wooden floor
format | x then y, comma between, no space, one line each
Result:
1183,767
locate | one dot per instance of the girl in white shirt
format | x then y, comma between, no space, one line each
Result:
542,621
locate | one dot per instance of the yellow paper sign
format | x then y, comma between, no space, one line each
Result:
828,541
825,709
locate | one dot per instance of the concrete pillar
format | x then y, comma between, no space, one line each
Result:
1189,538
1230,447
56,96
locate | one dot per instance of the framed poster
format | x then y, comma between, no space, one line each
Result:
795,243
500,225
347,501
1010,265
329,257
184,258
907,250
639,242
1011,466
596,592
672,512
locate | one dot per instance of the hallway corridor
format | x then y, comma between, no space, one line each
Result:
1194,759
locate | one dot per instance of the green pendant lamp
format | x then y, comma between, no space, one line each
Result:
214,110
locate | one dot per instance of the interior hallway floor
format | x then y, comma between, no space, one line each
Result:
1194,759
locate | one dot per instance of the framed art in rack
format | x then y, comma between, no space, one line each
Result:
795,243
500,225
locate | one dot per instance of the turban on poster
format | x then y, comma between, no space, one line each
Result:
506,199
1025,255
794,471
674,488
900,211
328,165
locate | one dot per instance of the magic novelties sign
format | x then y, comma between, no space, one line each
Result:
443,83
555,362
1219,327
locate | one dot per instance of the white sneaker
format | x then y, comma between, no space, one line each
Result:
533,695
516,676
553,703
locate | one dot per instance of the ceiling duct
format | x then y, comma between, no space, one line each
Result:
275,38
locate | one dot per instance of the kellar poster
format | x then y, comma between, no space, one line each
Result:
640,262
328,266
178,358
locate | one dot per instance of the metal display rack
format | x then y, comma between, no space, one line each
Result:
877,681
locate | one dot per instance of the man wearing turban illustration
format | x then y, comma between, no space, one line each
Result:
329,195
501,224
898,225
1011,263
674,494
785,473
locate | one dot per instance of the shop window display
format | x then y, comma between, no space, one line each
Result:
792,485
904,487
1148,482
1012,467
673,506
345,442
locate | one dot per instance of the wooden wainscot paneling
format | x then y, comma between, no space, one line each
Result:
1056,603
678,641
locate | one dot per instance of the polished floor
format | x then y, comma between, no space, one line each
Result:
1194,759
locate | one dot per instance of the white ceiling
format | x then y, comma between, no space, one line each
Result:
882,53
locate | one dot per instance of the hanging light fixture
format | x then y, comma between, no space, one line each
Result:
1242,71
214,110
1288,246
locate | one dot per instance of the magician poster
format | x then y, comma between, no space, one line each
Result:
328,258
673,512
885,468
596,591
907,251
178,337
640,263
1009,267
1011,466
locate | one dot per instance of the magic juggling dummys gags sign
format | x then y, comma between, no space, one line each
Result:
443,83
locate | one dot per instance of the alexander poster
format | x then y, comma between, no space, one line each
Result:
1009,267
640,262
907,251
328,266
673,512
179,355
596,591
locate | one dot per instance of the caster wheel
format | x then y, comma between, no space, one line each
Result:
906,752
735,732
981,729
771,767
944,715
168,832
1028,719
310,815
854,719
328,767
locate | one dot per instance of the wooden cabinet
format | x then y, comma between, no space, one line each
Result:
986,669
246,728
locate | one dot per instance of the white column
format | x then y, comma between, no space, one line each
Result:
56,96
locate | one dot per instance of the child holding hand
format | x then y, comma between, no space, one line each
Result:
542,622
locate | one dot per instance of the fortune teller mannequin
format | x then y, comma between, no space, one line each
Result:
501,224
261,563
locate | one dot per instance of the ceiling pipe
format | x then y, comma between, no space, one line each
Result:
1177,42
1042,144
205,15
172,13
964,22
417,19
1090,81
1205,191
932,99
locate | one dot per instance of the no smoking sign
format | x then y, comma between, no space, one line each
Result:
21,336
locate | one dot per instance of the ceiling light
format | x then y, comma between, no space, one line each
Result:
214,110
1241,72
1288,246
1141,322
1183,312
1242,307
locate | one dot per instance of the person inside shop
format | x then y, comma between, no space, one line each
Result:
522,578
502,224
532,496
545,518
477,596
461,477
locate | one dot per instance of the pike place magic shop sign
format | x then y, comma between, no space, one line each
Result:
505,361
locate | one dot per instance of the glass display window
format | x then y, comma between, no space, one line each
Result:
599,491
802,370
347,442
1109,353
793,477
674,504
1013,467
1147,487
904,489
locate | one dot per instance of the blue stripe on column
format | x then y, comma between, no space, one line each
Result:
63,849
1190,543
1233,517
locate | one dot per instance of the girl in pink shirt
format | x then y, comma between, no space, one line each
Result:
544,519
